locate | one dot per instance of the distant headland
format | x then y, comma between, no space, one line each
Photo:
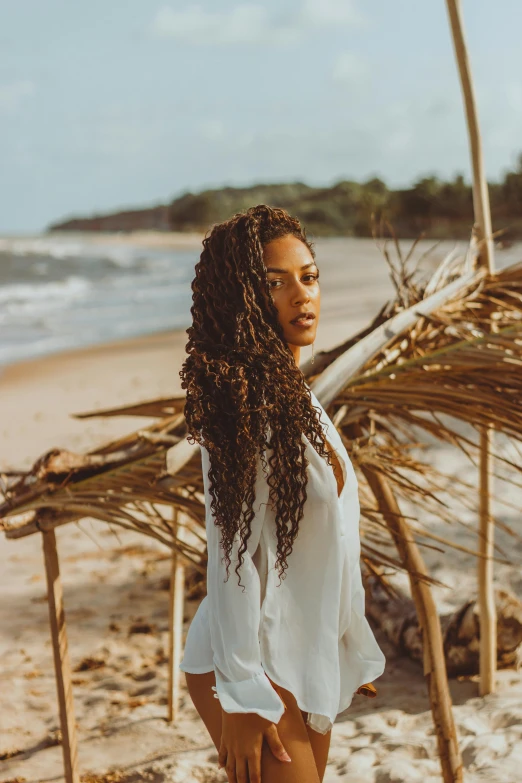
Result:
431,206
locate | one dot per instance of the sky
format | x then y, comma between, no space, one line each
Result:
111,104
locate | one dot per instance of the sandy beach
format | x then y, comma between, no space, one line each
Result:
116,592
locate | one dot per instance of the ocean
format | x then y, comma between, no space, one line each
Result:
58,293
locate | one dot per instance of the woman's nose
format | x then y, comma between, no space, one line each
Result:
299,292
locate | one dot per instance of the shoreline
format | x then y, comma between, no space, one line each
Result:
24,367
152,239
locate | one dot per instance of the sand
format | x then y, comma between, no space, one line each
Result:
116,599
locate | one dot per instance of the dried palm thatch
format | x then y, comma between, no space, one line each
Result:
123,483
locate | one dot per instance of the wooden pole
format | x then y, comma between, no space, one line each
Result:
62,666
486,592
485,258
432,642
480,186
176,607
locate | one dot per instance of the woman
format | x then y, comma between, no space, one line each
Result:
280,643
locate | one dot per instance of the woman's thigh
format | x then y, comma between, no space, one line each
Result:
307,749
320,744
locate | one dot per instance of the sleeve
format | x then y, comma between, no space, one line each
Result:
234,615
363,658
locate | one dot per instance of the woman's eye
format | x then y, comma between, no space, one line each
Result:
310,276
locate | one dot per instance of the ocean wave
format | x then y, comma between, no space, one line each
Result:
65,248
68,290
64,292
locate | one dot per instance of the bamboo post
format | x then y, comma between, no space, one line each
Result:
486,592
481,208
62,666
176,606
432,643
480,186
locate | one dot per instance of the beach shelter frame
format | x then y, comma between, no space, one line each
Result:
58,629
434,659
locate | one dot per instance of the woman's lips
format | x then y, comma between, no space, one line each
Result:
304,323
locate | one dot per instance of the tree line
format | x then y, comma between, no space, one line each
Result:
431,206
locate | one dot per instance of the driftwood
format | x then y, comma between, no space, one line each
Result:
396,615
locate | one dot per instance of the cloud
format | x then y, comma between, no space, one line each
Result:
212,130
350,68
248,23
115,134
400,141
326,13
513,92
12,95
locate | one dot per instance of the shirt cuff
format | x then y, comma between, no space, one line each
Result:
253,695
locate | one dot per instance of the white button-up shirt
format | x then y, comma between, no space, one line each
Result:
309,634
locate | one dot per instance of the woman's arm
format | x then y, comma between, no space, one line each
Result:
234,615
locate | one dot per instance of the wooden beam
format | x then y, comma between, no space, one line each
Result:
43,522
62,666
176,608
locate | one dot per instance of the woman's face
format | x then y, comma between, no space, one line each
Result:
293,279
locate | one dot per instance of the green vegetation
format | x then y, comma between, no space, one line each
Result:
437,208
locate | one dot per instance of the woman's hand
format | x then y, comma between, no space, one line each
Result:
241,743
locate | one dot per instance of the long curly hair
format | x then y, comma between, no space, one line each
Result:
244,391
